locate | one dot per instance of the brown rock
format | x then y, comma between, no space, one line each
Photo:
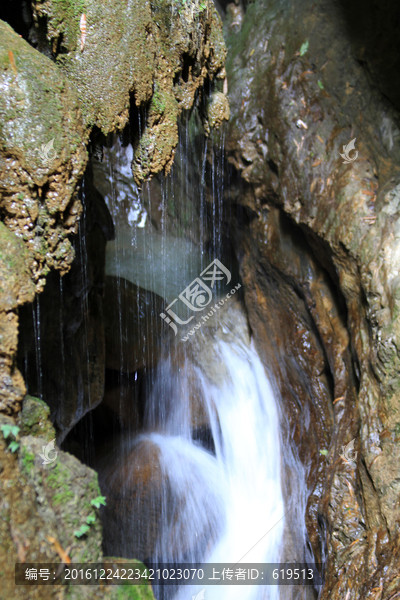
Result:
317,245
134,486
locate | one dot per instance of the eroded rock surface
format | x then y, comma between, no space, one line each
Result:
98,62
317,239
159,54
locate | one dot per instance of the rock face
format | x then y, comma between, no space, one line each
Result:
132,326
38,201
317,240
61,349
92,68
43,154
158,54
43,505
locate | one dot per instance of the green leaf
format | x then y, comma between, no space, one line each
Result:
81,531
99,501
13,446
320,84
15,430
303,48
7,429
91,519
323,452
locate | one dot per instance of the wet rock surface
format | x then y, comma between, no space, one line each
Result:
317,242
157,54
38,202
89,65
43,154
61,350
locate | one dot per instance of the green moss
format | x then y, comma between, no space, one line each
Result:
158,102
134,592
62,497
35,418
56,476
28,461
57,480
67,14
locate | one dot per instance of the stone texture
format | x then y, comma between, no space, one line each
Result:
317,242
61,349
157,54
16,287
34,419
42,156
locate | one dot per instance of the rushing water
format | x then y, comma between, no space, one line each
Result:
221,498
229,505
202,480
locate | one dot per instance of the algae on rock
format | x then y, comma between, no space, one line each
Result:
156,55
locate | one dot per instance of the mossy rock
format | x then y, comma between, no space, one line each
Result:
16,286
42,156
156,53
115,58
34,418
129,591
36,105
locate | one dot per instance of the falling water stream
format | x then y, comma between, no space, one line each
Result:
202,480
226,507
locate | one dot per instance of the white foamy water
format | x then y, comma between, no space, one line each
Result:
226,507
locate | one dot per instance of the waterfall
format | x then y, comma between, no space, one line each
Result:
202,480
229,504
212,438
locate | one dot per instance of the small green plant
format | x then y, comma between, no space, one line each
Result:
320,84
99,501
323,452
13,446
83,529
303,48
8,430
90,519
28,460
